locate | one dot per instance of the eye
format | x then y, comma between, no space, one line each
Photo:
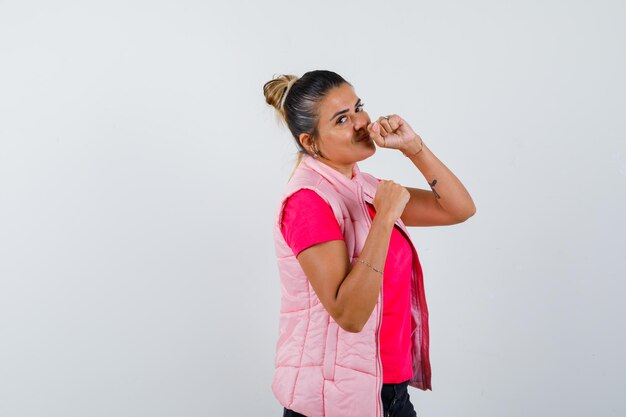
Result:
359,108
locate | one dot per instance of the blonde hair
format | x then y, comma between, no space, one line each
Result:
276,90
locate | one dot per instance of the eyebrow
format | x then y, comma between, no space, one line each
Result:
345,110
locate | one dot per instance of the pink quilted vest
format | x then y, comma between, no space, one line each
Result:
322,370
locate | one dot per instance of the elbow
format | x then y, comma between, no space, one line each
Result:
353,317
472,212
467,214
351,325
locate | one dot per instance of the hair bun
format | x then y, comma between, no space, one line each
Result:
276,90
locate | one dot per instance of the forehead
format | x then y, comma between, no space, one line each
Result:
338,98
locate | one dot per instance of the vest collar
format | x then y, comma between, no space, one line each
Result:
353,186
329,171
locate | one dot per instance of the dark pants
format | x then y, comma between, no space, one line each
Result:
396,402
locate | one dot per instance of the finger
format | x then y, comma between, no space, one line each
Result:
374,130
394,122
386,128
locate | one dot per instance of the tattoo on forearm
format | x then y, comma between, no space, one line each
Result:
432,187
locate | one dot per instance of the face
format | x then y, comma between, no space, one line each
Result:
343,137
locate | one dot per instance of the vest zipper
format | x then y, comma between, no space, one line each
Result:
379,364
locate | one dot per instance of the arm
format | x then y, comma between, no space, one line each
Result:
447,203
349,293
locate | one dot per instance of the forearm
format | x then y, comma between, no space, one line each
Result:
447,188
358,293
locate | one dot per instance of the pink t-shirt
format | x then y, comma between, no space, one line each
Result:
309,220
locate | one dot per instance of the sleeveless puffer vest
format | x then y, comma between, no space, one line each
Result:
322,370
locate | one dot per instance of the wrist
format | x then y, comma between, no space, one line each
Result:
385,220
414,148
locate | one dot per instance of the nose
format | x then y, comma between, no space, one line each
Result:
361,120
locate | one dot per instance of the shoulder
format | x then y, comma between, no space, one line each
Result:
306,202
307,220
305,196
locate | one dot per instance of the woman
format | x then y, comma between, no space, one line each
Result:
347,347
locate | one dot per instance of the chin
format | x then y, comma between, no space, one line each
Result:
368,152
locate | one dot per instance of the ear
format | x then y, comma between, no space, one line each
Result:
305,140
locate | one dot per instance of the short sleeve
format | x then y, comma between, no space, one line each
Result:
308,220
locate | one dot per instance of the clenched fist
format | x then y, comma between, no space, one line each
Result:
393,132
390,200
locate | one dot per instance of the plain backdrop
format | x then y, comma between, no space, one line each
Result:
140,170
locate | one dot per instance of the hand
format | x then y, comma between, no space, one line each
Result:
394,133
390,199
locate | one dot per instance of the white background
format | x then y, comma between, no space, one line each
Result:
140,170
